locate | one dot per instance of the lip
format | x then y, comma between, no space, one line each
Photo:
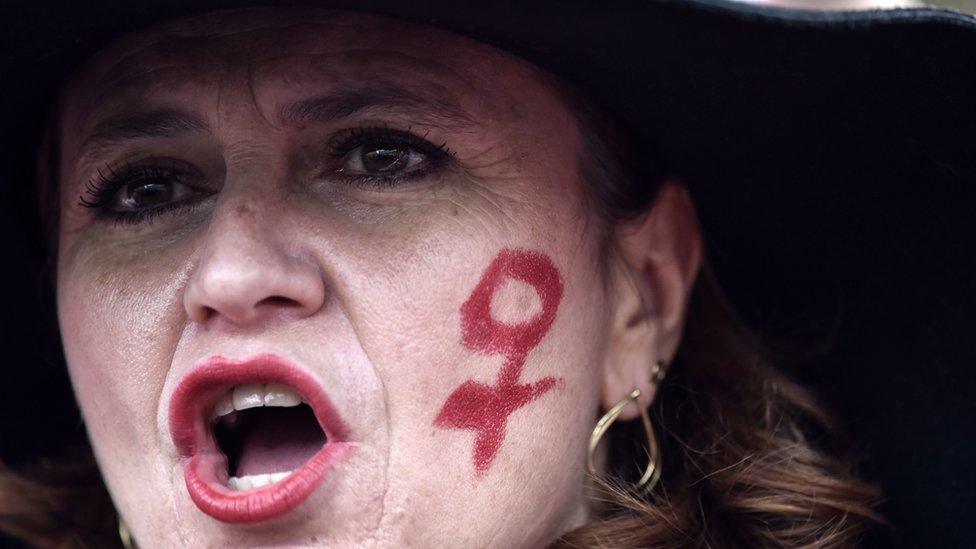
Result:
205,466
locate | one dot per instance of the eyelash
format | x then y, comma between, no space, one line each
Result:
344,143
101,191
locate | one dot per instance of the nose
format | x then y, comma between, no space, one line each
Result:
246,276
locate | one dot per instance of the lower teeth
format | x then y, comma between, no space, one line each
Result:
249,482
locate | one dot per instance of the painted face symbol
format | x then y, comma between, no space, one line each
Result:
485,408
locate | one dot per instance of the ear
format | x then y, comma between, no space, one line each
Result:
652,270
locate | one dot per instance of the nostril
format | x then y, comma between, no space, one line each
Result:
204,314
279,301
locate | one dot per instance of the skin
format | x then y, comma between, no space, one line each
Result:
361,286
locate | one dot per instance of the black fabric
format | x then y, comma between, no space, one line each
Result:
832,158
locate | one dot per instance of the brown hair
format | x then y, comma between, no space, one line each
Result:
750,458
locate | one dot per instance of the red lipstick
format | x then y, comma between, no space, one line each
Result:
205,466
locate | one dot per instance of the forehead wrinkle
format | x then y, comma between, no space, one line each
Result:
360,80
186,51
390,66
249,154
162,58
217,39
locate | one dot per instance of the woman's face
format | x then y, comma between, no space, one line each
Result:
380,219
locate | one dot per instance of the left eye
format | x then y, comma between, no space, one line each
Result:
141,195
382,159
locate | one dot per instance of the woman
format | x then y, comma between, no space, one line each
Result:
331,278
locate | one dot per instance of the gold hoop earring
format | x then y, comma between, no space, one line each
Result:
652,473
124,536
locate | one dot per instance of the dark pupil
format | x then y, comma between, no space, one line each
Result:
150,194
385,158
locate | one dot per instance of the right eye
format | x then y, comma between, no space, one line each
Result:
138,193
141,195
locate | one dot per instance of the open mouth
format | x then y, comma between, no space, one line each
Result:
266,432
256,437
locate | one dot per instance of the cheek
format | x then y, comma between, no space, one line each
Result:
485,408
491,364
118,324
508,262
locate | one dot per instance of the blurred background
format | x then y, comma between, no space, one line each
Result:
963,5
969,5
966,5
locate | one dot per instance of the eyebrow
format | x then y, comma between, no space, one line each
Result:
327,108
157,123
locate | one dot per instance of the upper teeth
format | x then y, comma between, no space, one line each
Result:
249,482
254,395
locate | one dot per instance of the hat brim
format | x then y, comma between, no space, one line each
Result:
832,157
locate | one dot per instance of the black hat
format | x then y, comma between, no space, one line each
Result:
832,158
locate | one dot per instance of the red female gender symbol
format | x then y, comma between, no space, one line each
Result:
485,408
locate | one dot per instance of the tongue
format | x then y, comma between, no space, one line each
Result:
278,440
